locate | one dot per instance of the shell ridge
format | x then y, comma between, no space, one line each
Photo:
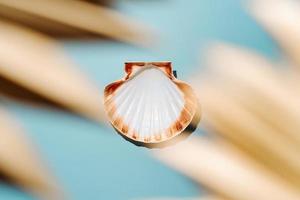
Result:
177,96
122,106
123,91
159,124
176,114
191,99
186,95
170,99
129,109
119,119
167,113
173,101
152,113
190,105
140,131
137,114
148,120
142,98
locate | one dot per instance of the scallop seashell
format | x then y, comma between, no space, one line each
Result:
149,105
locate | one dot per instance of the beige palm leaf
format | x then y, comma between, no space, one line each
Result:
225,170
191,198
20,163
37,63
251,108
254,97
75,17
32,62
281,19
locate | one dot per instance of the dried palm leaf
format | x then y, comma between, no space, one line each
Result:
74,17
231,120
282,19
222,168
36,63
211,198
264,82
199,198
101,2
12,91
19,163
247,104
253,108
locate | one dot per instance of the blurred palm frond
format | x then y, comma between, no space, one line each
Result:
200,198
42,68
20,163
281,19
73,17
245,99
225,170
101,2
34,68
251,108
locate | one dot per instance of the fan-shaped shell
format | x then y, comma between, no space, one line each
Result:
149,105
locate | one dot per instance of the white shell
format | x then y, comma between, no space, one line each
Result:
149,105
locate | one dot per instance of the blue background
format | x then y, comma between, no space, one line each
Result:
93,162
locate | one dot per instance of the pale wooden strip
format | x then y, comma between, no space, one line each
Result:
230,119
259,80
43,25
247,100
225,170
210,197
20,162
37,63
85,16
282,19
